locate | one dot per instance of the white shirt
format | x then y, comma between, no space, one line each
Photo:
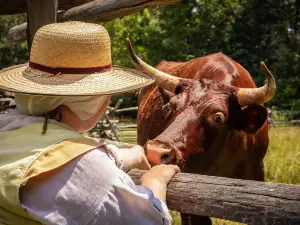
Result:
89,190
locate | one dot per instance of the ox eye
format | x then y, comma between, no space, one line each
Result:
219,118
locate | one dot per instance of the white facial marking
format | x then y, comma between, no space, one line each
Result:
198,90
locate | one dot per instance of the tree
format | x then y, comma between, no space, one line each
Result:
11,54
269,31
249,31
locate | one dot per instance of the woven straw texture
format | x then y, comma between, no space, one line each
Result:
83,44
71,45
118,79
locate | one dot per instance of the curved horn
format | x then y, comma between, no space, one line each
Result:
249,96
162,79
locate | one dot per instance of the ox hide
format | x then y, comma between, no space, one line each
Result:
201,126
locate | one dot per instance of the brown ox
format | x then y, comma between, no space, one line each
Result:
206,115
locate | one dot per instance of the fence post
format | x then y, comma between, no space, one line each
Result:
39,13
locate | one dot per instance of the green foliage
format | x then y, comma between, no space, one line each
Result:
11,54
268,31
249,31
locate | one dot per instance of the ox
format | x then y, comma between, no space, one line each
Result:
205,115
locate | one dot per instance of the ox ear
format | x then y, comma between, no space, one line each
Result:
253,118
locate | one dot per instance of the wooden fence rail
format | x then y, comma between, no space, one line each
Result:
94,11
245,201
250,202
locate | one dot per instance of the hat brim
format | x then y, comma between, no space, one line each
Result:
116,80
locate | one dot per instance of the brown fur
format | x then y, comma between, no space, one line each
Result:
187,124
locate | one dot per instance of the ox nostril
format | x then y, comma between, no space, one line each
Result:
168,158
160,153
164,157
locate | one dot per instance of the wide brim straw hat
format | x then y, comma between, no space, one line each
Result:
71,59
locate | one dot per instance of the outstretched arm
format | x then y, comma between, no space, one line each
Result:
92,190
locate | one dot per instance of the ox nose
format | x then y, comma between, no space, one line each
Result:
160,153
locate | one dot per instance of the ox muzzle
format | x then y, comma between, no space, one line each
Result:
161,153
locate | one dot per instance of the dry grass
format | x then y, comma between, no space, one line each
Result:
282,163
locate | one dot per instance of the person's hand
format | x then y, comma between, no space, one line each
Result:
157,179
134,158
160,173
141,161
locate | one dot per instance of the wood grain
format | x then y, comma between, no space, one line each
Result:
245,201
95,11
40,13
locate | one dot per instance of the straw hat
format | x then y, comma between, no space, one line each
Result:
69,59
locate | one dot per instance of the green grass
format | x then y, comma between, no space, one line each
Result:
282,162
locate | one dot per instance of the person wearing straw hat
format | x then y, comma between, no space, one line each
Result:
49,172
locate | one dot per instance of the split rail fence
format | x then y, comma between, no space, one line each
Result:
245,201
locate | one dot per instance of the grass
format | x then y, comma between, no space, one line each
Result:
282,162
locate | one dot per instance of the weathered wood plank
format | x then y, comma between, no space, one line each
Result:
20,6
40,13
96,11
110,9
135,108
17,33
245,201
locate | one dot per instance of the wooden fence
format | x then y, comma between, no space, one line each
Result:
41,12
245,201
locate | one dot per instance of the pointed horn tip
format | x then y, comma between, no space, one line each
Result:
265,69
133,56
246,96
262,64
269,75
128,43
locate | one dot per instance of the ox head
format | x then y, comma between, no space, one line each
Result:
202,114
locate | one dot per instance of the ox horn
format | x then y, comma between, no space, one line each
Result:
163,80
250,96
